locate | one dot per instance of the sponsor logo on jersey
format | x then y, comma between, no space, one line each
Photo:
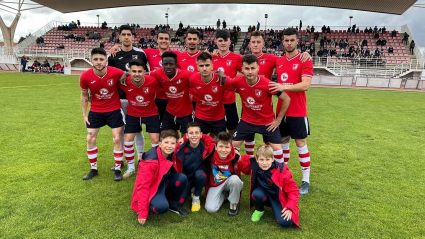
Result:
134,57
146,90
241,88
92,82
228,62
120,58
263,61
173,89
110,82
198,87
130,90
294,67
250,100
154,55
220,69
208,98
190,68
215,60
284,77
103,91
184,59
214,89
280,66
257,92
140,98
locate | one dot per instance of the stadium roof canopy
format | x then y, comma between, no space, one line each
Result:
387,6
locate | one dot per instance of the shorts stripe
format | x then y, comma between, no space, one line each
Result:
123,116
306,125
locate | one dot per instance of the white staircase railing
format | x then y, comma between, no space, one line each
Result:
40,32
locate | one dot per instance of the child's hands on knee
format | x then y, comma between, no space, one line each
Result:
286,214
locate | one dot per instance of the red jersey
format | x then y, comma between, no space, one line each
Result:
256,100
267,63
141,99
154,57
290,72
176,90
230,64
210,98
187,62
104,89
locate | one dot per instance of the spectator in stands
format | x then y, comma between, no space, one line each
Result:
324,29
377,53
349,30
301,24
102,45
364,42
376,35
405,38
38,41
358,30
328,29
95,35
45,67
370,30
412,46
180,25
390,49
382,52
367,52
78,23
308,29
60,47
24,63
258,26
224,24
379,42
218,24
312,29
393,33
104,25
58,67
384,30
322,43
383,42
36,66
353,28
375,29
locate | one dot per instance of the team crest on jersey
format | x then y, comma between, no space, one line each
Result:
110,82
173,89
103,91
284,77
208,98
127,66
191,68
214,89
220,69
257,92
140,98
134,57
294,67
228,62
250,100
146,90
178,81
263,61
160,63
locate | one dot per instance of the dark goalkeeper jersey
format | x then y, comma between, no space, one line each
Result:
121,60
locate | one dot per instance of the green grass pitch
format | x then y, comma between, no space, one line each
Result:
367,173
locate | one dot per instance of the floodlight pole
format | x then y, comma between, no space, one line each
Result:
351,17
265,25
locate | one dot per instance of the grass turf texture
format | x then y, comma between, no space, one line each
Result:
366,177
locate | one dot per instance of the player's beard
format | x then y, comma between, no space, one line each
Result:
291,50
101,69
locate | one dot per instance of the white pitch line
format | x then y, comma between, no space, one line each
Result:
26,86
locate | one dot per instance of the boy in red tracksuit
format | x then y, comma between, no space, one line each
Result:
224,169
189,160
157,177
271,185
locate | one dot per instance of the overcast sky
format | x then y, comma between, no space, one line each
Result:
238,14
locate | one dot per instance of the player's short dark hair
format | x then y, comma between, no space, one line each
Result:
99,51
193,124
125,27
223,137
257,34
169,54
249,59
136,62
222,34
193,31
167,133
204,56
290,31
163,32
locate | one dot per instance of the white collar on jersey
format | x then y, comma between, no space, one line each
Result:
289,59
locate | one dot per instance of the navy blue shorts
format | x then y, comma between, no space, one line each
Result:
247,131
114,119
296,127
170,121
161,104
232,117
134,124
214,127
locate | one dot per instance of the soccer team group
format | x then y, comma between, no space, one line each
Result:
193,93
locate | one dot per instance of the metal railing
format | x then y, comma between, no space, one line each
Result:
40,32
